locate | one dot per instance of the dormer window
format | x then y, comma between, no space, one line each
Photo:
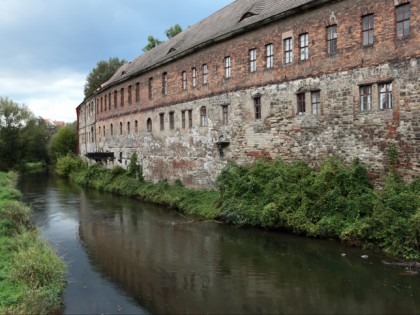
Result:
246,15
171,50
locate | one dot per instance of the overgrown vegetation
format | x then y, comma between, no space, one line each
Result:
120,181
335,202
31,275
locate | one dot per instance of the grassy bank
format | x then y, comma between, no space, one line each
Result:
31,275
193,202
335,202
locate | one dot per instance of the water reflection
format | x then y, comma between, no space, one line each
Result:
167,264
173,266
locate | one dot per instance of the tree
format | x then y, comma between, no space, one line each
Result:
173,31
35,135
64,141
13,119
103,71
153,42
170,32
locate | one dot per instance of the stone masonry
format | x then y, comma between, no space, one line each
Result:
301,110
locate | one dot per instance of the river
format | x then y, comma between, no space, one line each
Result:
130,257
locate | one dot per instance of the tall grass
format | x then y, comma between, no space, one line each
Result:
31,275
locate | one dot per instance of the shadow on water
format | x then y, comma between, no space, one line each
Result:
128,256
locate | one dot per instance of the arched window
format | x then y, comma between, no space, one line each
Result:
136,126
128,128
92,134
203,116
120,128
149,125
112,129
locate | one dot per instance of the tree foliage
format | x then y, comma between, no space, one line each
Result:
173,31
103,71
64,141
153,42
23,137
170,32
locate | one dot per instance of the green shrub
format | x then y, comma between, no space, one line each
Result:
67,164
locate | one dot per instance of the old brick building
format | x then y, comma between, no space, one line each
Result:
297,79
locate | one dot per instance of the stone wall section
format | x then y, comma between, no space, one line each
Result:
341,128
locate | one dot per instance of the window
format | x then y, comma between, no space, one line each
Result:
385,96
115,99
304,48
102,104
288,50
257,107
137,92
109,101
225,114
162,121
149,125
129,98
99,133
150,88
183,119
136,126
97,106
269,56
194,77
227,67
165,83
105,102
205,75
332,39
112,129
121,131
365,98
316,103
184,80
190,122
252,60
301,106
122,97
171,120
368,30
203,117
128,128
403,20
104,131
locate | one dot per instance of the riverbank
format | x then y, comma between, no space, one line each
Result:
31,275
334,202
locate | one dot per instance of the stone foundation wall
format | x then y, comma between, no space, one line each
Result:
340,129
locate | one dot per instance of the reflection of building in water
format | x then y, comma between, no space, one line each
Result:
296,79
171,267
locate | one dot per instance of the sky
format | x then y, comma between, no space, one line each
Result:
48,47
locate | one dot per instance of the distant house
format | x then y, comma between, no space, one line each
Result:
300,80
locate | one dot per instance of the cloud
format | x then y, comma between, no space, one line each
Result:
49,46
47,94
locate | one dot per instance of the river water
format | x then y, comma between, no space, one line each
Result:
130,257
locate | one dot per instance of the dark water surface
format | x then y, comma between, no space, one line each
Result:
128,257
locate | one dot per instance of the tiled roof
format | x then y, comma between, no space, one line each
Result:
230,19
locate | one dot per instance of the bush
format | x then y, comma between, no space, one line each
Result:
337,202
68,164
